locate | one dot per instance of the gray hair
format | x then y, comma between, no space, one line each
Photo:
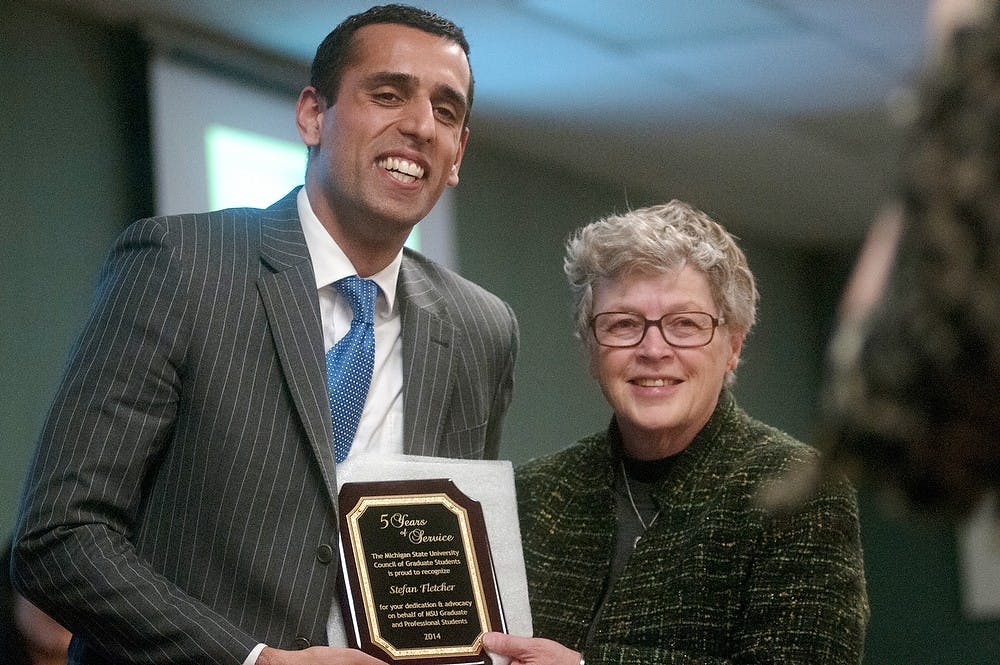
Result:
658,240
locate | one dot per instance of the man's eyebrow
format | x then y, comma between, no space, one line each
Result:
405,81
397,79
454,96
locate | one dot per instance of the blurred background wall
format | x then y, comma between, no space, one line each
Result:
76,168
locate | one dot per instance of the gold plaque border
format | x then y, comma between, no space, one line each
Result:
472,564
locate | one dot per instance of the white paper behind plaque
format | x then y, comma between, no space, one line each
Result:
489,482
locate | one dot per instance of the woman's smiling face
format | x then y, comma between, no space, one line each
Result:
661,396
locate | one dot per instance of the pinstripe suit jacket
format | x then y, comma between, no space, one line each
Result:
181,506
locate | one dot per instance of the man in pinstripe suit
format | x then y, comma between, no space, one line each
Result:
181,506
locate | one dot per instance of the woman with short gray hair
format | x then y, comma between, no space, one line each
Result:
644,542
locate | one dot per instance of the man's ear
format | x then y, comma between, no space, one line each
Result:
453,176
309,115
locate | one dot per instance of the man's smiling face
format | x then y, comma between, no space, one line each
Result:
394,137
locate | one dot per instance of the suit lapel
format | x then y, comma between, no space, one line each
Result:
428,356
287,287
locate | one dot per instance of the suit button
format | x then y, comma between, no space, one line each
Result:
324,553
301,643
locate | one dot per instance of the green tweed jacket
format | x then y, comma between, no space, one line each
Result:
715,579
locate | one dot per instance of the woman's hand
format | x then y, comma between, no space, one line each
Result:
530,650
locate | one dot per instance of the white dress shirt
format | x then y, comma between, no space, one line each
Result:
381,427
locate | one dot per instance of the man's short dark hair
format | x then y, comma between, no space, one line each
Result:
336,50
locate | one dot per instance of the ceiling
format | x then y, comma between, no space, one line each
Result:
773,115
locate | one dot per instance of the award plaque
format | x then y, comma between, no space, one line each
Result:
418,574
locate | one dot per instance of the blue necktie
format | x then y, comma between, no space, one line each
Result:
350,361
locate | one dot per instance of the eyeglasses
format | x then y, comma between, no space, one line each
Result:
683,330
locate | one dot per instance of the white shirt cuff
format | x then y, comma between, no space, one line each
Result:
252,658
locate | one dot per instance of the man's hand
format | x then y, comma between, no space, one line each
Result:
530,650
316,656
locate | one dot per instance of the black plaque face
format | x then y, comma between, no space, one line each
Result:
418,574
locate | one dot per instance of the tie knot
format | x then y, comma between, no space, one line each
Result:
361,294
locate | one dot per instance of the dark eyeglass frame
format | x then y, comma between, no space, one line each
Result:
658,323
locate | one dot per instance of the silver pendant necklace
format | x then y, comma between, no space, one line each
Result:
635,509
